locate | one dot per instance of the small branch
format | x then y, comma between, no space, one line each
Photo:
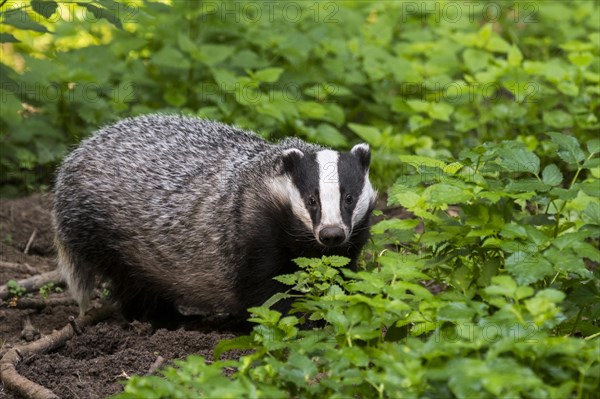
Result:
17,267
157,363
33,303
30,241
34,283
27,388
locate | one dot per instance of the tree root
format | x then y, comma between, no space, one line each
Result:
27,388
17,267
34,283
29,332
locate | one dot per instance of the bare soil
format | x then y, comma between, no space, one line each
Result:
93,364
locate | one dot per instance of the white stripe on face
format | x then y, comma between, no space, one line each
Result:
329,189
285,192
364,200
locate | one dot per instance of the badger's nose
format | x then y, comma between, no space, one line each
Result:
332,236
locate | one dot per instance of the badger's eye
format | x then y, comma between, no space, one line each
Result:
349,199
312,201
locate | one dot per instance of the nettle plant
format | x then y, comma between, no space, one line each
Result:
511,244
498,211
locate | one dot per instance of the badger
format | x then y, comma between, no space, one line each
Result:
179,212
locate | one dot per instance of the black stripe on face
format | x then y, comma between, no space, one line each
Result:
352,178
305,176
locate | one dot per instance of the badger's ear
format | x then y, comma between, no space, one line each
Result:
363,153
290,158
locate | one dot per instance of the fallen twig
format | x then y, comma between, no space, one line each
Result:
157,363
27,388
17,267
34,283
30,241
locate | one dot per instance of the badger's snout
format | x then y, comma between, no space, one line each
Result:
332,236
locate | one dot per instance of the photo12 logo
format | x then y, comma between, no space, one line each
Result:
459,11
270,11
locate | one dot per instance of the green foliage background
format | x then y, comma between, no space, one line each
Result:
483,120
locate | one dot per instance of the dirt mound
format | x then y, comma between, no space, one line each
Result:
93,364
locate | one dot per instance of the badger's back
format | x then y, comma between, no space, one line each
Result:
126,203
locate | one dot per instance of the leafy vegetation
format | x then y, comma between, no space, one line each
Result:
518,317
15,289
483,121
47,289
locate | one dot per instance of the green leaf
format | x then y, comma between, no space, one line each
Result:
241,343
213,54
10,110
551,175
475,59
514,56
418,161
370,134
44,8
312,110
443,194
186,44
21,20
8,38
435,110
171,58
568,240
335,261
401,195
513,230
416,122
287,279
440,111
525,185
593,146
519,160
329,135
528,268
567,262
270,109
568,88
456,312
551,294
225,79
175,96
102,13
418,105
569,149
498,45
582,59
592,213
502,285
268,75
558,119
278,296
394,224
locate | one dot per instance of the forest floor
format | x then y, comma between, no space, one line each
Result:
95,363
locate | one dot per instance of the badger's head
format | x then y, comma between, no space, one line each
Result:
329,192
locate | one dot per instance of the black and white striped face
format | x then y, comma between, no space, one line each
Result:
329,191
